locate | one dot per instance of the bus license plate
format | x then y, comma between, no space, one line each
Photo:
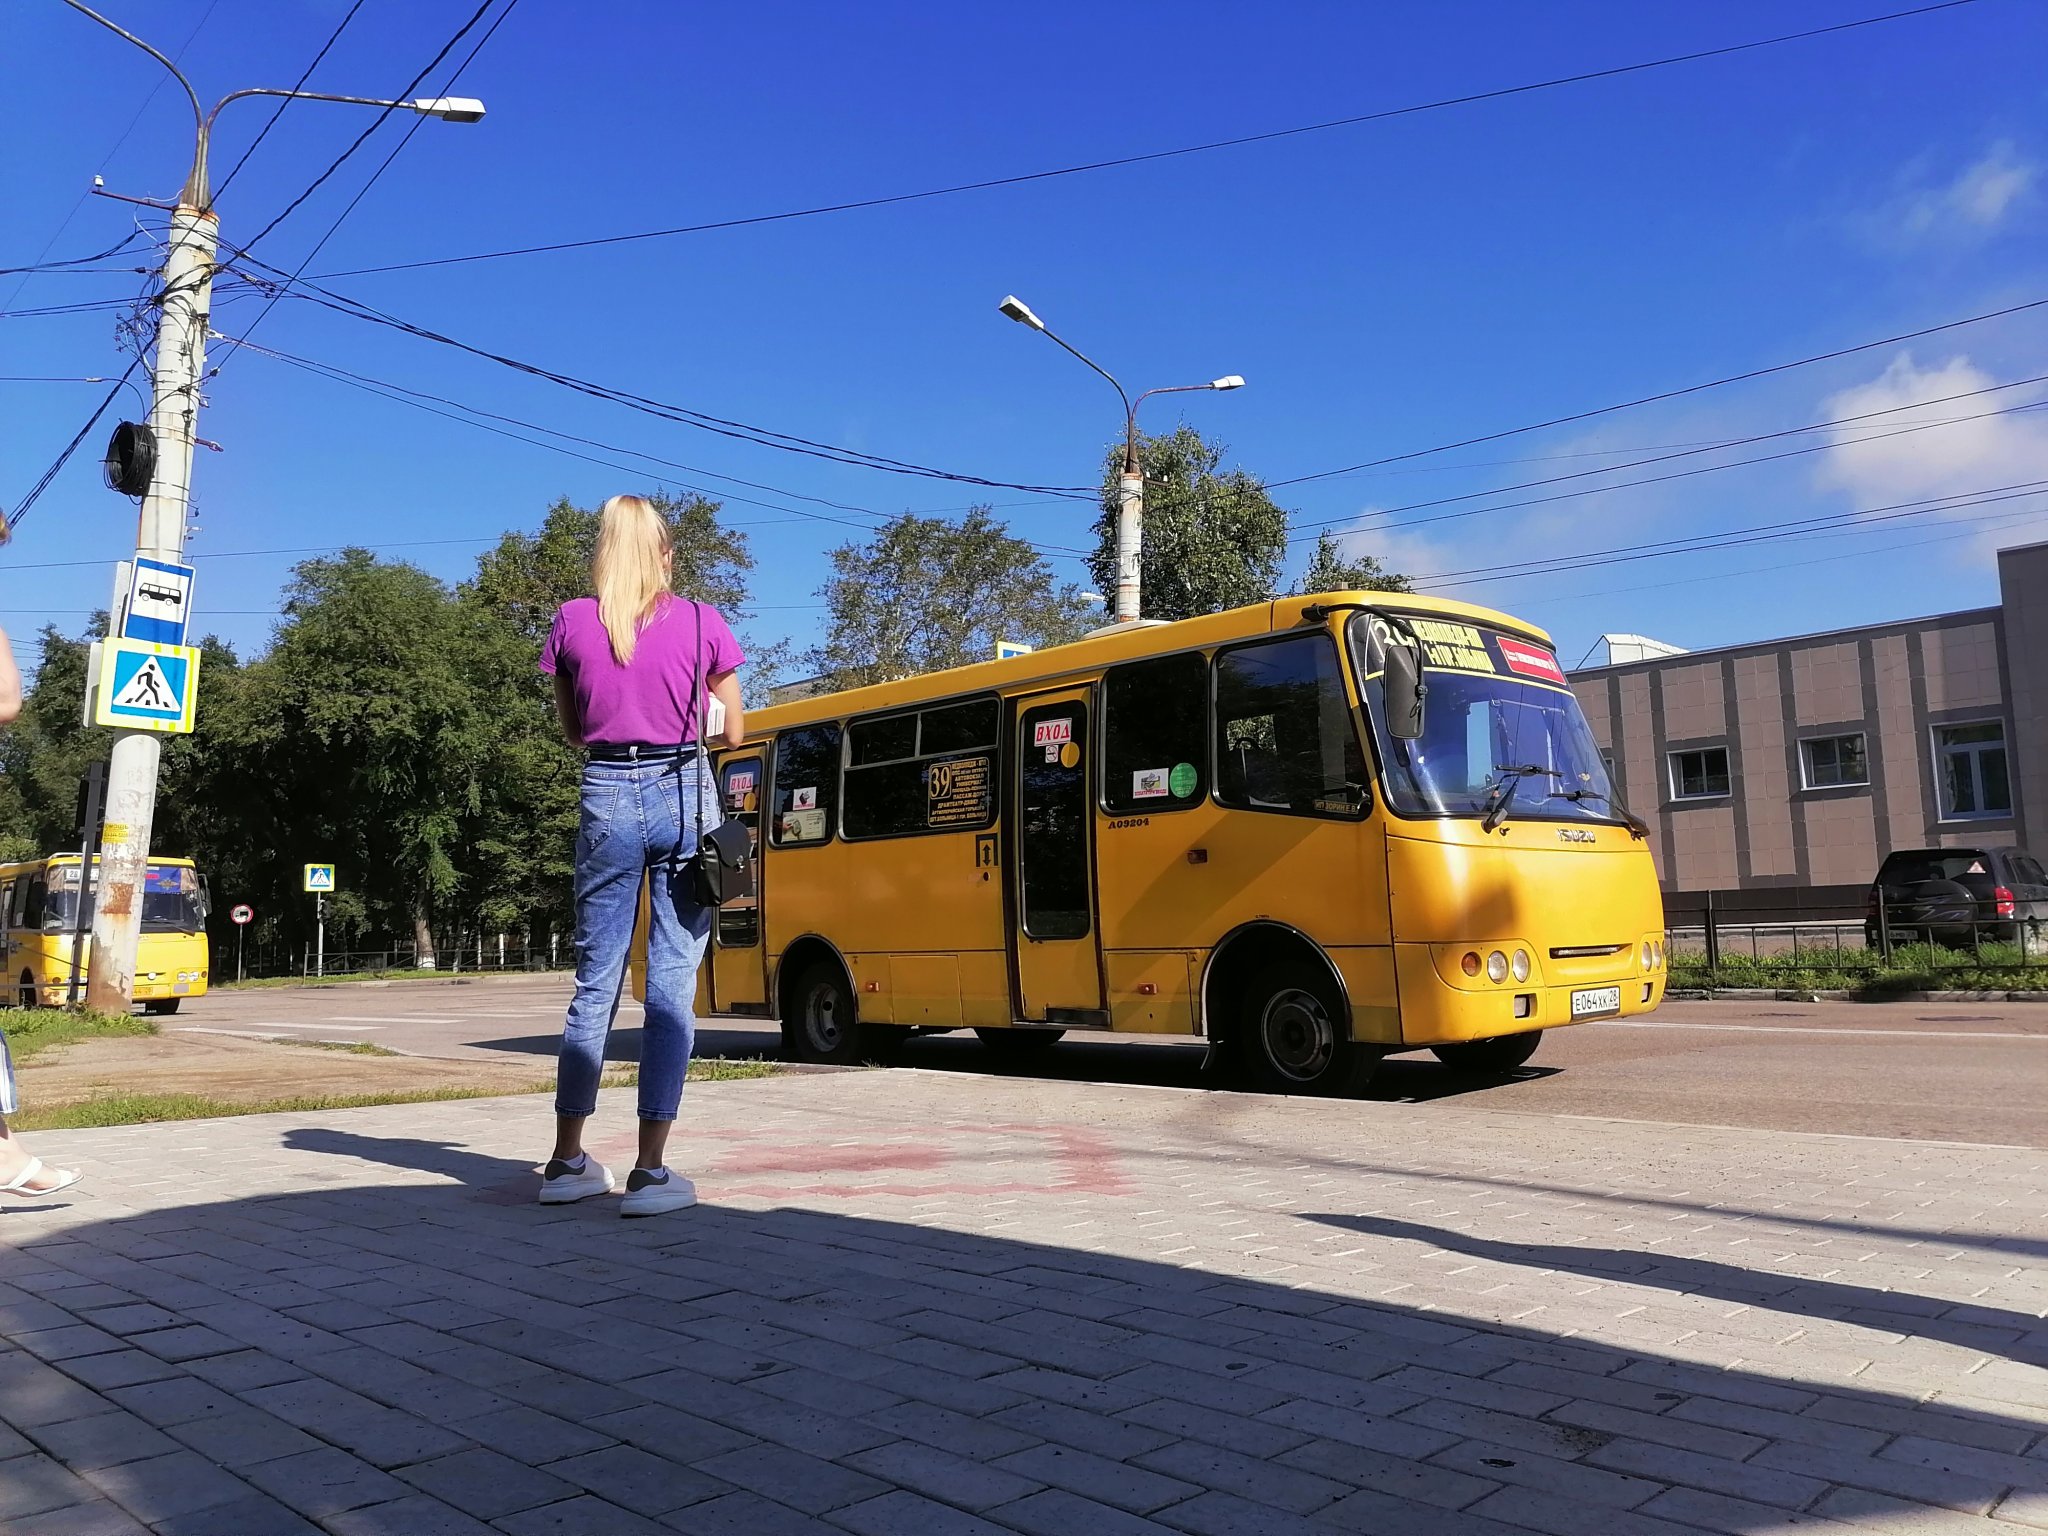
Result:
1596,1001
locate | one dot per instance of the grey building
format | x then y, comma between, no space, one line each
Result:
1803,761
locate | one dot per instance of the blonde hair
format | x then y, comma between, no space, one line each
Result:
630,572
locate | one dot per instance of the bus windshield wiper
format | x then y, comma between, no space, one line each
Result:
1638,828
1504,791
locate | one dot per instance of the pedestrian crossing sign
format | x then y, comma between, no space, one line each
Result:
320,877
145,687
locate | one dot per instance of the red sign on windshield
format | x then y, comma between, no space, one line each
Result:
1530,660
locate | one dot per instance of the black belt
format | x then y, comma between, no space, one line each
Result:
639,752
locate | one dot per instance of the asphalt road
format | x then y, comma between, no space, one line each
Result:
1966,1072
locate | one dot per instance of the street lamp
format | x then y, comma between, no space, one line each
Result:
1130,516
182,310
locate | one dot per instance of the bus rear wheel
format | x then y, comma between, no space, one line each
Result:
1293,1037
822,1022
1502,1053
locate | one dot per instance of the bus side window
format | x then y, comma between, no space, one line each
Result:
32,903
1284,734
806,789
17,896
1155,732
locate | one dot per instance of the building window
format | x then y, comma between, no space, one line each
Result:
1831,762
1969,768
1699,775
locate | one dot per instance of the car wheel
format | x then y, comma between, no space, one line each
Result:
1502,1053
1293,1036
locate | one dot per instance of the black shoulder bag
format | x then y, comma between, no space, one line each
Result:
722,868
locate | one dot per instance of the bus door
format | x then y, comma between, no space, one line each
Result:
739,971
1054,938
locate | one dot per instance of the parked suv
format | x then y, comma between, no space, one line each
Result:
1937,895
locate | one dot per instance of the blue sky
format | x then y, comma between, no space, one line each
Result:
1384,288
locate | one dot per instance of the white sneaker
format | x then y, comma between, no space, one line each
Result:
562,1182
650,1192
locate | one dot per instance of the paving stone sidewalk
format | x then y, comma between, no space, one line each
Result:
922,1304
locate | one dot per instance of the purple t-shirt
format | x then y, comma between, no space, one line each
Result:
653,699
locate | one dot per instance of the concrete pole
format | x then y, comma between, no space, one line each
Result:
1130,538
132,766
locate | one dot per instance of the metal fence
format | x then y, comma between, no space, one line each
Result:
255,960
1782,935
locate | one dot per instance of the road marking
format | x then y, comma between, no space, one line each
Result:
255,1034
1821,1029
385,1018
262,1024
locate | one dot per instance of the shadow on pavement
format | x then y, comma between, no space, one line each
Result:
383,1356
2014,1335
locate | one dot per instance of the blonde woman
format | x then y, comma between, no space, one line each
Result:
628,664
22,1175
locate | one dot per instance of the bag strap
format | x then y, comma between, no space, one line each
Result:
703,717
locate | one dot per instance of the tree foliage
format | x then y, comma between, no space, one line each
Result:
1213,538
925,594
1331,570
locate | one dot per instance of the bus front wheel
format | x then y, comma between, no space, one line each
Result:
1502,1053
1293,1036
26,997
162,1005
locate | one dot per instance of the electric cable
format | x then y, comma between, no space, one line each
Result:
1669,394
10,525
1269,136
298,85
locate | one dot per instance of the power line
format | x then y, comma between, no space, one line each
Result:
364,191
420,399
298,85
9,526
361,138
1761,534
740,431
1669,394
1164,154
1622,485
73,262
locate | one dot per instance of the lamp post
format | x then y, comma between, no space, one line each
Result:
183,311
1130,512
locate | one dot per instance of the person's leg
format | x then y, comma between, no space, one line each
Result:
17,1163
676,936
607,890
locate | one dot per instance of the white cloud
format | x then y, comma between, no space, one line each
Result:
1970,207
1877,465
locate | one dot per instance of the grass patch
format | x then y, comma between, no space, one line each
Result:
153,1108
31,1031
1914,968
346,1047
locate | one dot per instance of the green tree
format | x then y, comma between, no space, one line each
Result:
1331,570
1213,539
925,594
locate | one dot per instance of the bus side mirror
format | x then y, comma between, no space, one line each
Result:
1401,681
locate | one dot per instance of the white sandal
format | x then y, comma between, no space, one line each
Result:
19,1184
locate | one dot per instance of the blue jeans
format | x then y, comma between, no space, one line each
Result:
639,820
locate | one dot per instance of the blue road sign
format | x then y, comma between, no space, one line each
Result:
146,687
159,602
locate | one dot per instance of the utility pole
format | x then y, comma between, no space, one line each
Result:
1130,485
184,309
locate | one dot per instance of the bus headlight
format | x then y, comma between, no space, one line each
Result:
1520,965
1496,967
1649,955
1657,954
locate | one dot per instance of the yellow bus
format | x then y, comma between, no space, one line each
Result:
1312,832
42,918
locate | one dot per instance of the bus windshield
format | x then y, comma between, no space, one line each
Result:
172,901
1495,744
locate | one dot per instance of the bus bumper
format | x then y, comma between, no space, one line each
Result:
1441,1009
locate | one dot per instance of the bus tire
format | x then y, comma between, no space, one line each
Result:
823,1020
1292,1034
1013,1047
1501,1053
162,1005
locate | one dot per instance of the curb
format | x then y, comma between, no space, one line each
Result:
1838,995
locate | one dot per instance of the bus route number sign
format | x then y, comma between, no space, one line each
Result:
959,792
